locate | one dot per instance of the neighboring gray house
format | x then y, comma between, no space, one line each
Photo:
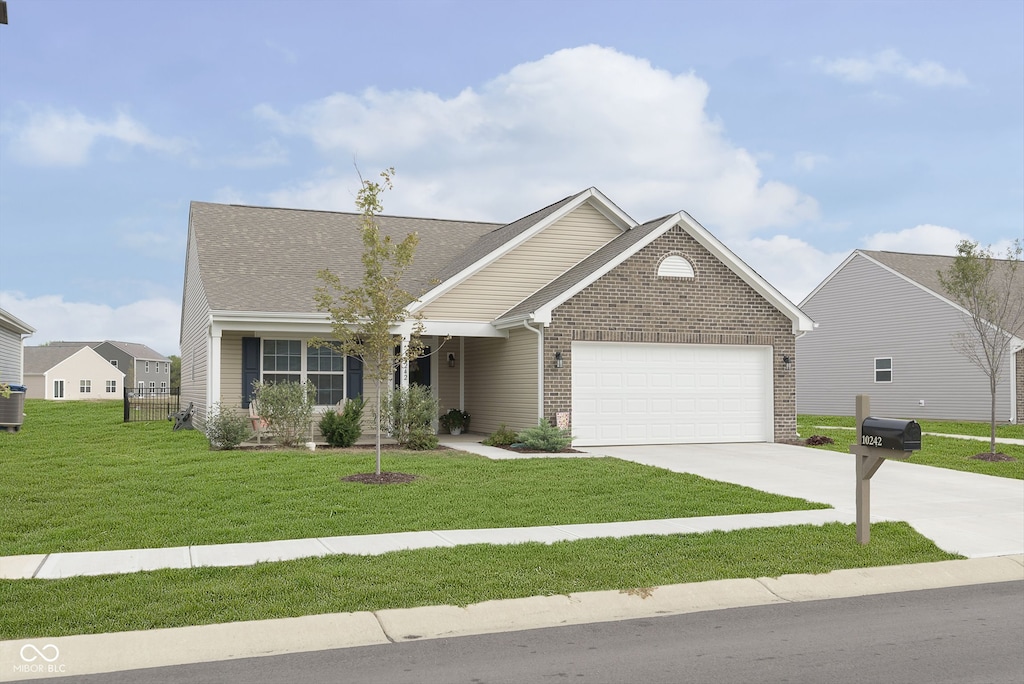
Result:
143,367
885,328
12,355
630,333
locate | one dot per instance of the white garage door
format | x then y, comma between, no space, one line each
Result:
631,393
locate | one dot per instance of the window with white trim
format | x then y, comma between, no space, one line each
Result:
58,389
883,369
294,361
111,386
85,386
147,366
113,362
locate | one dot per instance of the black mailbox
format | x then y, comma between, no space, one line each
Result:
891,433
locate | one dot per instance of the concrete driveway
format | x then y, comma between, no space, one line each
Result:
973,515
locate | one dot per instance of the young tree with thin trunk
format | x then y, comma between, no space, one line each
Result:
364,319
989,290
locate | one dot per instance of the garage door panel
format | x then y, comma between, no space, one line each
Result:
638,393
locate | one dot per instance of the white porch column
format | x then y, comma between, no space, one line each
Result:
403,376
213,369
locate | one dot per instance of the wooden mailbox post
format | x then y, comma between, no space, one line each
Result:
880,439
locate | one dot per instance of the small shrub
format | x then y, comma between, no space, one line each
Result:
502,437
226,429
287,408
545,437
409,417
455,418
818,440
343,428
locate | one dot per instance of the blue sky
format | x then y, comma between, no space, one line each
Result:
795,132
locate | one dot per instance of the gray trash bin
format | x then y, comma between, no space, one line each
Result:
12,409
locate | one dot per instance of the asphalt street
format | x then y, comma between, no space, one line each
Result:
960,634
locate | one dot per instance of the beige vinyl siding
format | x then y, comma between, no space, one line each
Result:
501,381
866,312
84,364
231,368
506,282
448,378
10,357
194,336
35,386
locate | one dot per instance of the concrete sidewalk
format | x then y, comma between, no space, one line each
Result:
96,653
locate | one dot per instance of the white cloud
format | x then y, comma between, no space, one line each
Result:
543,130
808,161
791,265
891,63
153,322
52,138
922,239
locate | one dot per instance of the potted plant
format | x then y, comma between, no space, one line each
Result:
455,421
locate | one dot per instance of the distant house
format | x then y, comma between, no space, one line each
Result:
12,342
885,328
630,333
69,371
144,368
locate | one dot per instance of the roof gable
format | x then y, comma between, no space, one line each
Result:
540,306
918,270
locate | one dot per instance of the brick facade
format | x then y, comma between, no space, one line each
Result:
632,304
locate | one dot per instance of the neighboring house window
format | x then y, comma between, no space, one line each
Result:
113,362
883,370
675,266
147,366
111,386
163,385
85,386
58,389
152,385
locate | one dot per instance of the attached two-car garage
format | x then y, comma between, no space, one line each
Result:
639,393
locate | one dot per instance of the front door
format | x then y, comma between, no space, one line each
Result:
419,371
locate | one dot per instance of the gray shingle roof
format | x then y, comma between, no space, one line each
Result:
42,359
266,259
136,350
924,268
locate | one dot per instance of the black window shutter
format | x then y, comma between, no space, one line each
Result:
354,378
250,367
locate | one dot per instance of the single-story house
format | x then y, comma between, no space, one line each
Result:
69,371
652,333
13,332
886,328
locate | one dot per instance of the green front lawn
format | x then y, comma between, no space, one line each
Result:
78,479
451,576
942,452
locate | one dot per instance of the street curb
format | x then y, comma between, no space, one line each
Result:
112,652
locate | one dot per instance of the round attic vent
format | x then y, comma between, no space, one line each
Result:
675,266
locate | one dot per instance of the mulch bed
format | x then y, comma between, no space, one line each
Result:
384,478
998,456
567,450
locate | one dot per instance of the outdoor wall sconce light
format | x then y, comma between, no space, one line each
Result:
558,359
786,361
451,360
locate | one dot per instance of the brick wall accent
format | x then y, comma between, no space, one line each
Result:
632,304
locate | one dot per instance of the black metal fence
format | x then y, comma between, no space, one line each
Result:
152,403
